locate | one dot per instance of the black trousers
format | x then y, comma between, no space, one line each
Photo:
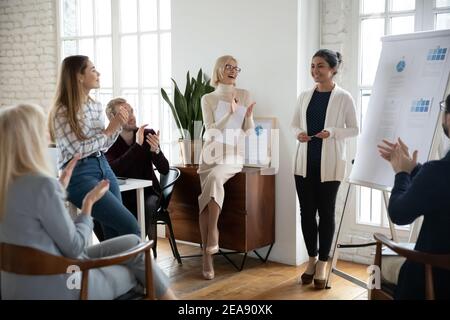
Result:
315,196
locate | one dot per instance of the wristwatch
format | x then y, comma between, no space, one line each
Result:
157,151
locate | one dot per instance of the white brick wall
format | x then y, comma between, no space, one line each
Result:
28,51
336,22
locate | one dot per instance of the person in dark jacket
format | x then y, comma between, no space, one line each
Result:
421,190
133,155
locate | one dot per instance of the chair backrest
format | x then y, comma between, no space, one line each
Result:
429,260
167,183
30,261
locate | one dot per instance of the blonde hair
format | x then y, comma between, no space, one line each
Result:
219,67
23,142
111,106
69,94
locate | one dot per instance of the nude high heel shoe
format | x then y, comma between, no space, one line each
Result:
214,248
208,268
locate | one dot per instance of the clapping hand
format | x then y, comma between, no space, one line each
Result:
153,141
122,115
119,120
94,195
140,135
388,147
398,155
249,112
66,174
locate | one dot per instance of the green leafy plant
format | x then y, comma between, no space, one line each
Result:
186,108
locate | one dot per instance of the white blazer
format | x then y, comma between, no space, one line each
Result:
340,121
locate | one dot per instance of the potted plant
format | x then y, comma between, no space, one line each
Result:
187,112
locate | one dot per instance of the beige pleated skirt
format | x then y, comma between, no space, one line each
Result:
214,171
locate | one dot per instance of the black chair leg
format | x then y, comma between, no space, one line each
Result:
172,247
173,243
155,239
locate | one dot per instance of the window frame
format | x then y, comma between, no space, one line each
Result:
116,55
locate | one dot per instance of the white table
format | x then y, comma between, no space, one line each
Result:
138,185
131,184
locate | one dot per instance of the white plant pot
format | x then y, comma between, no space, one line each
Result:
190,151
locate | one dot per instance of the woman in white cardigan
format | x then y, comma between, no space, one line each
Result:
324,117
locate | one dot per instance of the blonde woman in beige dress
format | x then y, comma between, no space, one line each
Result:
219,161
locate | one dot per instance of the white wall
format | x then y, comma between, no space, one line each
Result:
263,36
27,51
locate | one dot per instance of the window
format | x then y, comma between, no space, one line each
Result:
129,41
376,19
442,14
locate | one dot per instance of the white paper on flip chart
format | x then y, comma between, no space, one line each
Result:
411,79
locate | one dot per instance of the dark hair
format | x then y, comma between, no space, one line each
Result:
447,104
334,59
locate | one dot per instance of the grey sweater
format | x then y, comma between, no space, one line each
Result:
36,217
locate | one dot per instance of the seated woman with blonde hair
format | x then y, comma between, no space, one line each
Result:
33,214
219,161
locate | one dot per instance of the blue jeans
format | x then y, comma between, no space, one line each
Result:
116,220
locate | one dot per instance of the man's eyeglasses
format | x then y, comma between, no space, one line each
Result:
442,105
229,67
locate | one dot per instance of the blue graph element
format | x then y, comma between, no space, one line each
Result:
259,130
401,66
420,106
437,54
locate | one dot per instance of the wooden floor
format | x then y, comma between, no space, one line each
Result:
261,281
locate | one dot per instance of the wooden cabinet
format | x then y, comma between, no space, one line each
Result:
247,220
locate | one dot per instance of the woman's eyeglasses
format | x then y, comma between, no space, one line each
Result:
229,67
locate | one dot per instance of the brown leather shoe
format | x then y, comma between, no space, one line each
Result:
319,283
306,278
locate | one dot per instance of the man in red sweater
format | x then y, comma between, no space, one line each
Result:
133,155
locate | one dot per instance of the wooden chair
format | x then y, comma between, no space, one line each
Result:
429,260
29,261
